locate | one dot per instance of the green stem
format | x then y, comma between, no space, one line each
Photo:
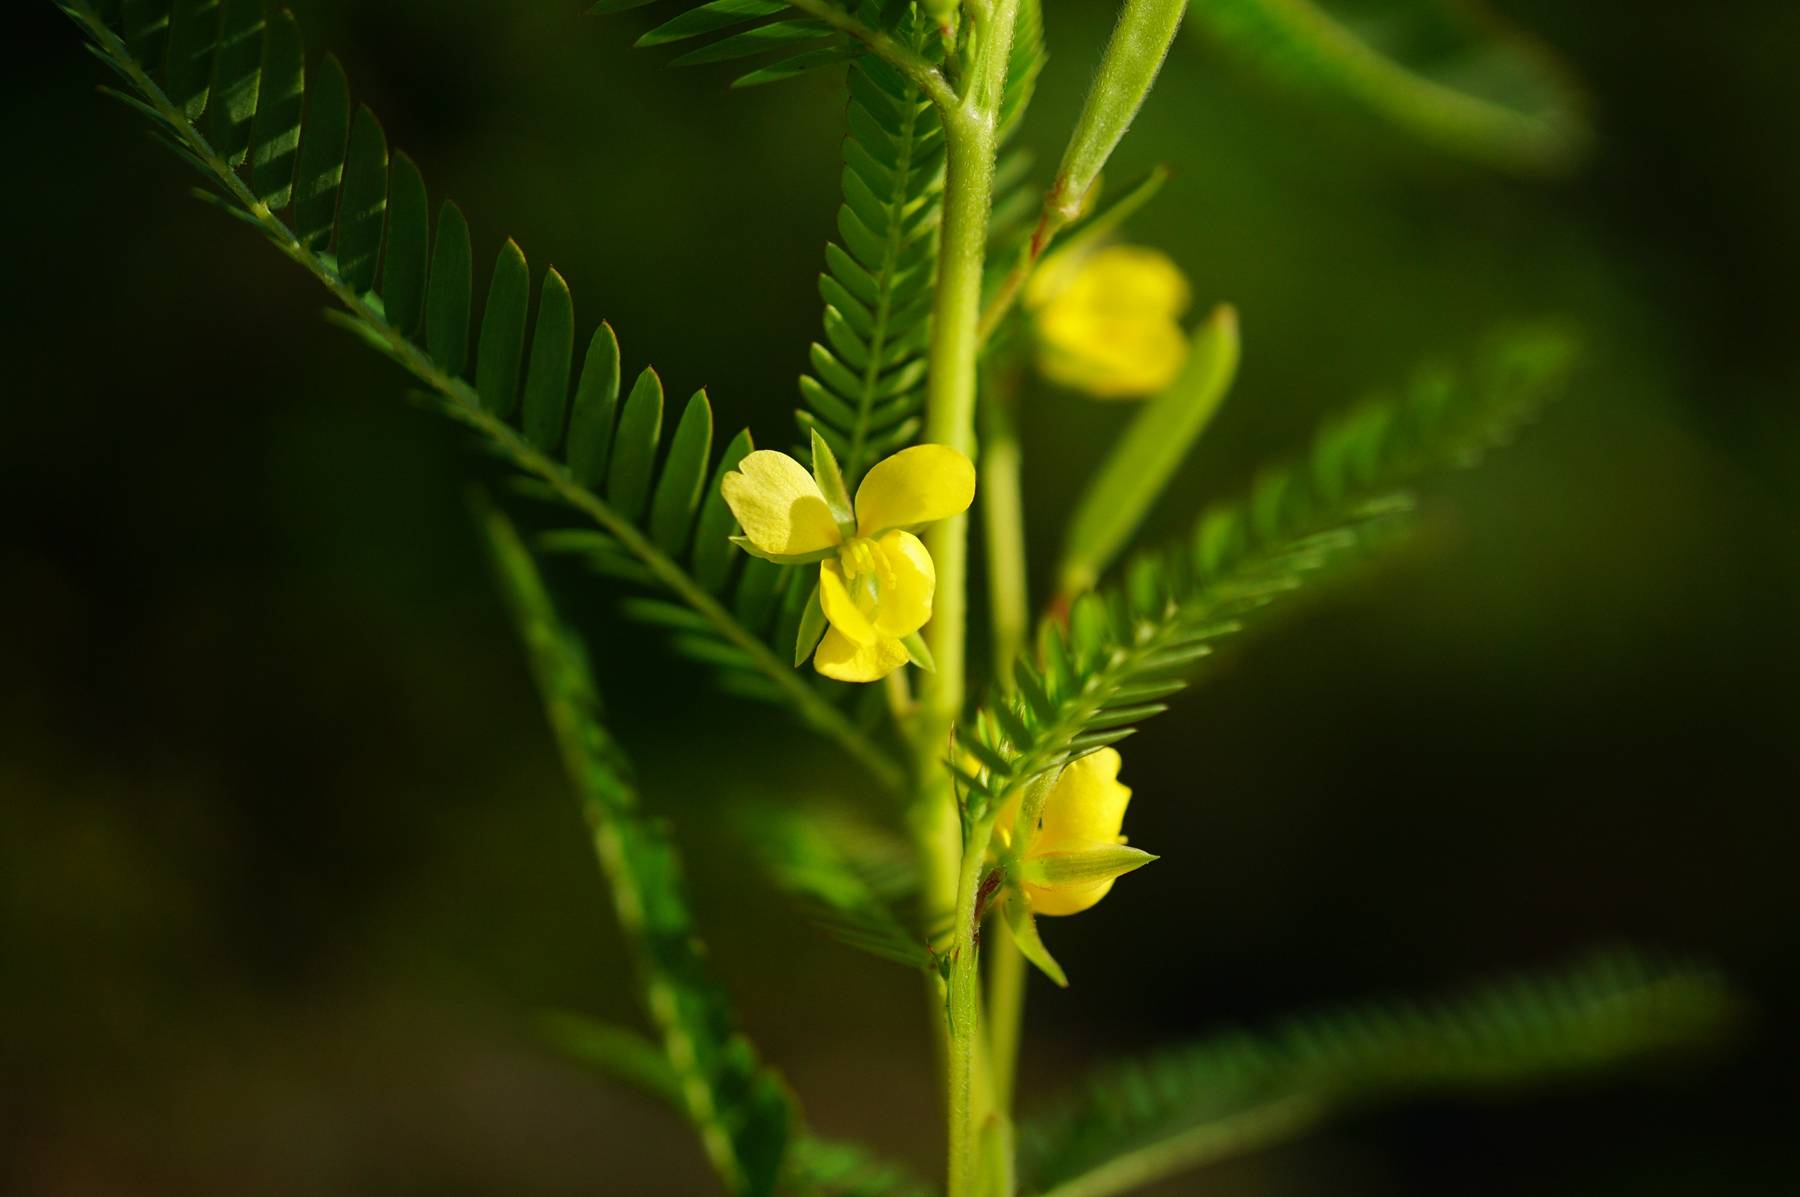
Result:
1007,975
971,126
965,1013
1003,523
969,146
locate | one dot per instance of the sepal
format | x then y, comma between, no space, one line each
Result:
1023,927
812,628
919,653
1080,868
831,484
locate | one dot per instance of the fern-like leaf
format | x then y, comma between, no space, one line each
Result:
813,1167
1126,649
296,161
1235,1093
850,880
824,1168
866,388
740,1108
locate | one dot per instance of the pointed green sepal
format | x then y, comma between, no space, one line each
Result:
812,628
831,485
1093,864
918,652
1023,926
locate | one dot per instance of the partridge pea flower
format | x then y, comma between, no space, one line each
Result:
1109,323
1061,848
1070,860
876,580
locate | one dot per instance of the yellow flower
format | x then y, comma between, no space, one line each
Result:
1075,853
1109,323
875,578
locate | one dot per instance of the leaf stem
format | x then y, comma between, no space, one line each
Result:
907,61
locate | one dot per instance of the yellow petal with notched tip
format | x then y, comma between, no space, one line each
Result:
842,658
779,505
906,598
915,486
841,610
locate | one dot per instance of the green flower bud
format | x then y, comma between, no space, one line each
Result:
1135,54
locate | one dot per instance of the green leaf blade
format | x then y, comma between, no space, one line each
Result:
596,403
677,494
501,355
406,262
275,129
552,358
236,78
362,213
634,452
450,291
193,40
320,163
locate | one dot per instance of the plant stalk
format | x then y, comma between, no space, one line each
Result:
1007,975
1003,523
965,1014
971,126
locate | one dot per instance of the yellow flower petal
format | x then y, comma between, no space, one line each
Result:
1109,324
1070,898
1110,358
915,486
841,610
906,599
1133,278
842,658
779,505
1086,808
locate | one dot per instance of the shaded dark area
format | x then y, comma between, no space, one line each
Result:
286,863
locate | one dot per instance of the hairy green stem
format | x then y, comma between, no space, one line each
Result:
971,127
965,1013
969,145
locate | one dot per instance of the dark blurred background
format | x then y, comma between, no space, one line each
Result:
286,862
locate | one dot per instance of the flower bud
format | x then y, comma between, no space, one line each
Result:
1133,57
